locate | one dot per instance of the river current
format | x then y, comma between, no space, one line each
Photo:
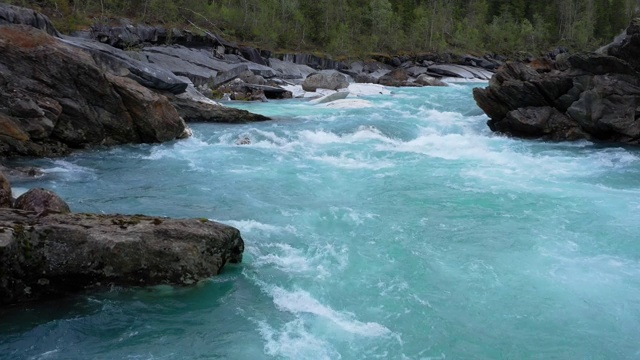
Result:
391,227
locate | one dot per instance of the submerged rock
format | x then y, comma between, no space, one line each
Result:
58,254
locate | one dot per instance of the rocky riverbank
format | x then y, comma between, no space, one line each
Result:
591,96
128,83
63,93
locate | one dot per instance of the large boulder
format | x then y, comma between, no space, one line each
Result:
591,96
325,80
41,200
61,98
47,255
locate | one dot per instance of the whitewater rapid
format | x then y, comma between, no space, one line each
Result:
392,226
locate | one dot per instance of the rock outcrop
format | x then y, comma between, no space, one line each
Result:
591,96
10,14
194,107
56,98
57,254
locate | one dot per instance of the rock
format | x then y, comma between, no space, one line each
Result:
427,80
333,81
331,97
373,66
628,48
6,199
224,77
194,107
243,140
198,65
313,61
453,71
289,70
57,254
154,118
60,98
366,79
116,61
272,92
21,173
542,122
41,201
397,77
481,62
261,70
10,14
122,34
252,55
600,64
590,96
250,78
416,71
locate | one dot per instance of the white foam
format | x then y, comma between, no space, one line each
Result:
252,226
63,166
363,133
46,355
180,150
455,80
295,342
284,257
357,162
347,104
357,217
368,89
301,302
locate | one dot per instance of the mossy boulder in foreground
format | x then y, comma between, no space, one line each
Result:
48,255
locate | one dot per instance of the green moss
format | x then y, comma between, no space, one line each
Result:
204,220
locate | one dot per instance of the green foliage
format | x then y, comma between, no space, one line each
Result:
357,27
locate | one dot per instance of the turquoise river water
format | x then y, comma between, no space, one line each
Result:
402,230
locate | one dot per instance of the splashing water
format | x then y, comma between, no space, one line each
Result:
402,229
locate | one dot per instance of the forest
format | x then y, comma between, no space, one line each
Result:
352,28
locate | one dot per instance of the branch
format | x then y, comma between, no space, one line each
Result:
202,16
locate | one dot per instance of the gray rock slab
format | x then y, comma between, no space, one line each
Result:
226,76
289,70
118,62
452,70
